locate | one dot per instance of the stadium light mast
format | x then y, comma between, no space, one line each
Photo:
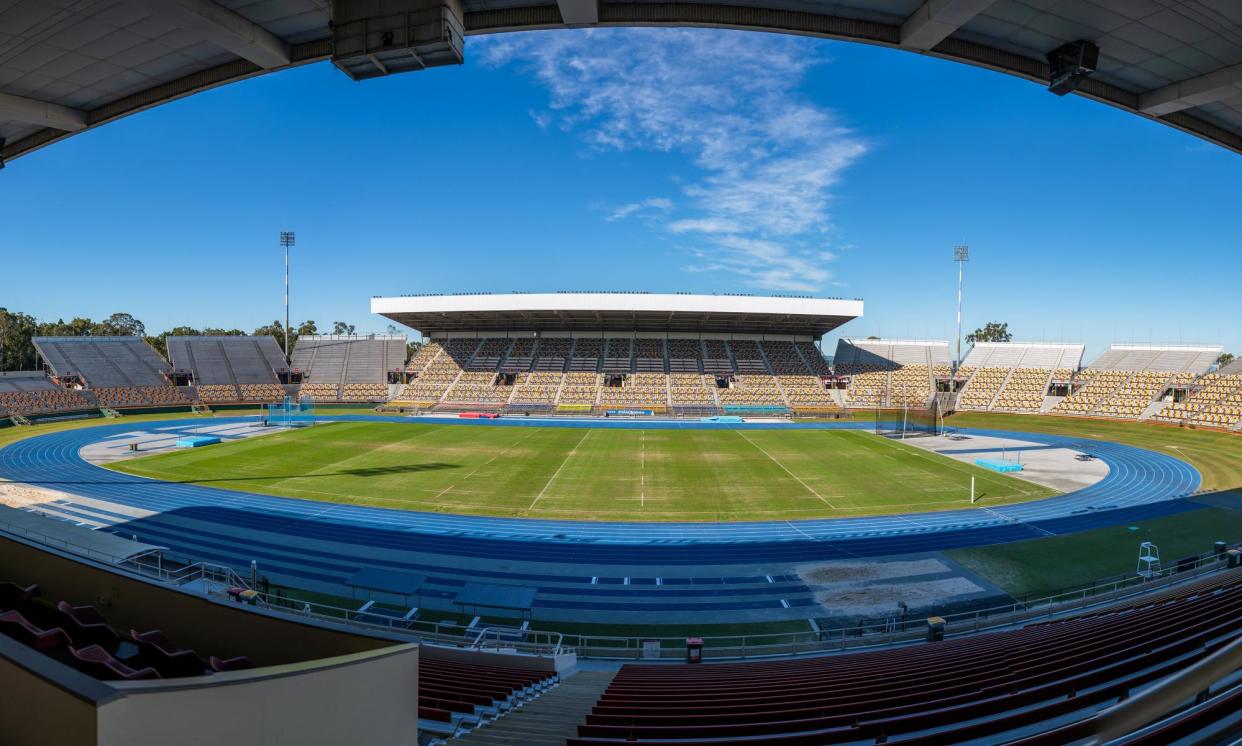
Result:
286,240
961,255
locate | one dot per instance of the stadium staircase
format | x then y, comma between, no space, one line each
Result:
550,719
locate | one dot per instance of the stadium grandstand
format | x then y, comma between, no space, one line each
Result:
226,369
611,352
120,372
1213,400
335,367
1131,381
891,372
175,607
1015,376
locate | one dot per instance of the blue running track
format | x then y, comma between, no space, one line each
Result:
574,564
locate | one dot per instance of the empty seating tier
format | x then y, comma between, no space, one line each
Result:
345,359
81,637
228,360
33,394
121,397
988,687
103,361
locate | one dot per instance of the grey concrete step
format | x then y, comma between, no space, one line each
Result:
549,719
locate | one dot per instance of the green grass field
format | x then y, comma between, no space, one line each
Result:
592,474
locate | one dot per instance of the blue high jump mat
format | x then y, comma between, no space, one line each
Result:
1001,466
196,441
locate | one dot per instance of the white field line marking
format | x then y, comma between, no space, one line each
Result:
498,455
787,471
558,471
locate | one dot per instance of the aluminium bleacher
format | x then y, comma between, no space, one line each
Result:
228,360
104,361
348,359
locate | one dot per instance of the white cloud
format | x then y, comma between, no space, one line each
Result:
768,159
645,207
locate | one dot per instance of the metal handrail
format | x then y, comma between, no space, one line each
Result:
1162,699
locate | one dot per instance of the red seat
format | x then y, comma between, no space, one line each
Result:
15,625
87,626
239,663
97,662
170,659
12,595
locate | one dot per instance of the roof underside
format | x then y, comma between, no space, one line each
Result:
620,313
67,65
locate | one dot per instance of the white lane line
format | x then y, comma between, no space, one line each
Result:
787,471
558,471
1011,519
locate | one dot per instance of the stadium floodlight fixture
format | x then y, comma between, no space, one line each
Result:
287,239
961,255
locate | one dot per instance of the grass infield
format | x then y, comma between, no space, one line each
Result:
592,474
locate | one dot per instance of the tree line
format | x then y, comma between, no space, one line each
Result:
17,329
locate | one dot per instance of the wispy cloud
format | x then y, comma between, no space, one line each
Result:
650,206
768,159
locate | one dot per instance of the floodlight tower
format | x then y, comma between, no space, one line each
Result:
961,255
286,240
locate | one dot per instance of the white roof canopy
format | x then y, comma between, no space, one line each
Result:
622,312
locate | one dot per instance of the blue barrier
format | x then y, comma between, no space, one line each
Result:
726,418
1001,466
630,412
755,408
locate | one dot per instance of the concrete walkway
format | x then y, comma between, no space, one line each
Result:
551,719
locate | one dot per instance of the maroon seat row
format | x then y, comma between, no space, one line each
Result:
81,637
981,686
447,687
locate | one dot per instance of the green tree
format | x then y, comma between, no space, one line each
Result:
993,331
17,352
1224,359
120,325
340,327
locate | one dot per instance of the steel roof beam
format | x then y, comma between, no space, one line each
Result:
224,28
579,12
1185,94
936,20
41,113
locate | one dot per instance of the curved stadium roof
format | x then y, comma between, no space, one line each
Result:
67,65
619,312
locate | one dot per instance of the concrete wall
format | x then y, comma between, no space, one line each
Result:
37,710
208,626
367,698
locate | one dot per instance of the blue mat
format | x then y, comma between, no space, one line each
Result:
194,441
1001,466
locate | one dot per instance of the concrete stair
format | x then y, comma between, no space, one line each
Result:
550,719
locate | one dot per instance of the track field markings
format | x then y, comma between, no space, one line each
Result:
642,470
558,470
787,471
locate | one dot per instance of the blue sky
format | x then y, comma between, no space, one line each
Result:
659,160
